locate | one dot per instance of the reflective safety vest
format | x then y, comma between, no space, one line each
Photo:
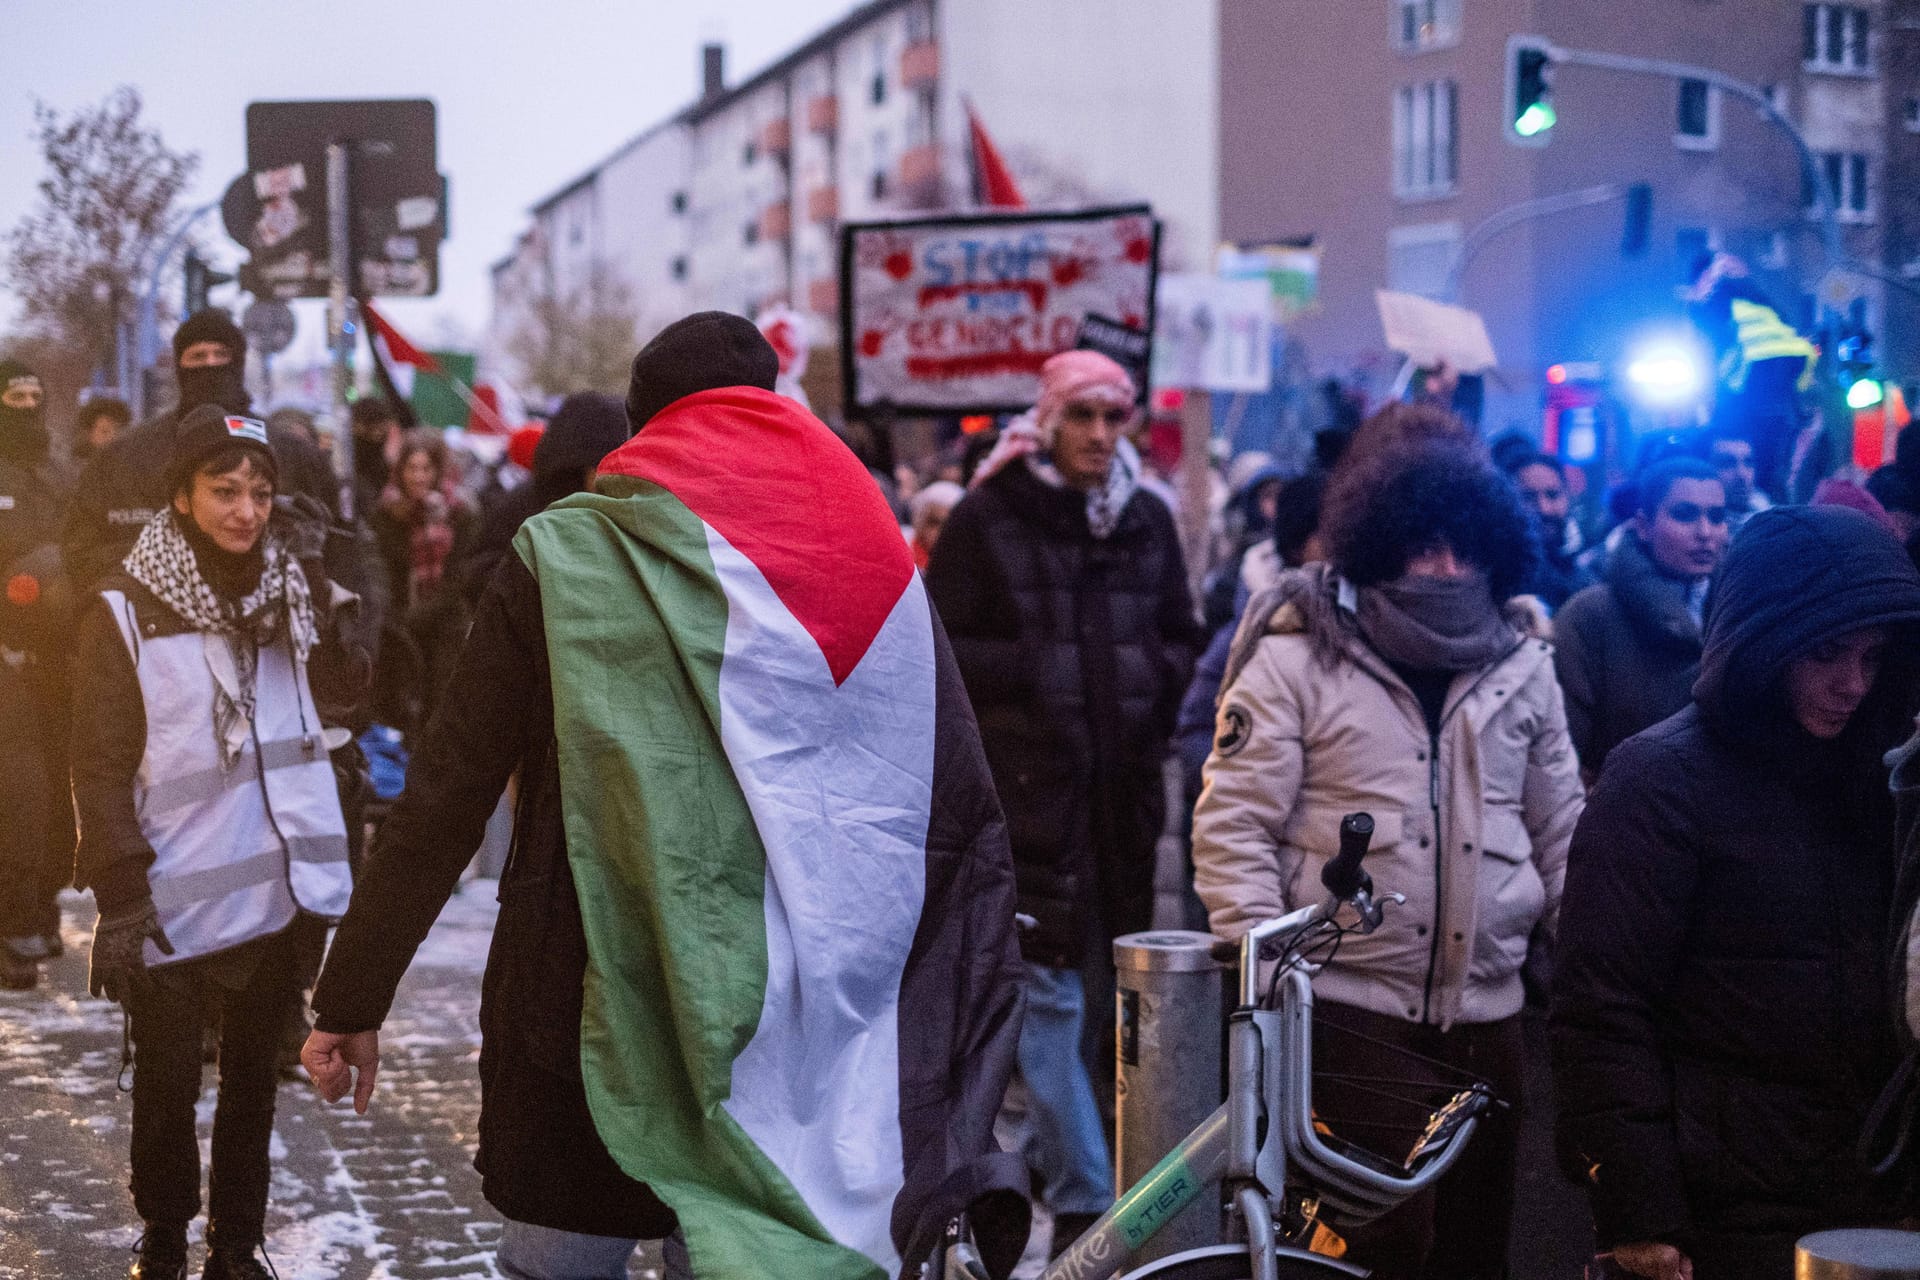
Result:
1760,334
236,847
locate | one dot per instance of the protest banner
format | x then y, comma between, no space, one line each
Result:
957,314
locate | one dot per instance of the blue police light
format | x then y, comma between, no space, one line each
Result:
1667,374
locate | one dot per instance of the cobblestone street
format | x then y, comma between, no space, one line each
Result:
391,1196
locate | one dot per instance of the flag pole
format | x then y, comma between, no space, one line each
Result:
402,407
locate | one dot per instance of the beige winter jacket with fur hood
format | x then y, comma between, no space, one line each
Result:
1472,825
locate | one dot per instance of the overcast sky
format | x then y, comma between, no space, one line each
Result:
530,94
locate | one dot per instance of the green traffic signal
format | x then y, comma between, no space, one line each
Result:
1530,112
1865,393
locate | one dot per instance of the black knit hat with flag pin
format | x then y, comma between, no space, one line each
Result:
207,432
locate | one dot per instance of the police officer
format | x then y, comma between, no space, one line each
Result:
36,833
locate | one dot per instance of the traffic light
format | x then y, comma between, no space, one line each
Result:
198,279
1530,113
1634,237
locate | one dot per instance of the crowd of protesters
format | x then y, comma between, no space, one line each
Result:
1634,760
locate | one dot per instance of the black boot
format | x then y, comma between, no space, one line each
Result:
17,974
226,1262
163,1254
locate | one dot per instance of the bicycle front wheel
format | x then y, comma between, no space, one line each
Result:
1229,1262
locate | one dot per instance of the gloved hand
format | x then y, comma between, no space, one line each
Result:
303,521
119,965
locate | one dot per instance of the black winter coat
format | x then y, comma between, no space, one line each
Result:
33,500
1719,1010
1626,652
1075,651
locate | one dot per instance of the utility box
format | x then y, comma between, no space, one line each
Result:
1170,1028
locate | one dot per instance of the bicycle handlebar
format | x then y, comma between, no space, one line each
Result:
1343,877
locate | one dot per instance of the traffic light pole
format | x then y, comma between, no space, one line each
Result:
1513,215
147,339
1825,205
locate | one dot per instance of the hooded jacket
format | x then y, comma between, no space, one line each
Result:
1627,651
1471,823
1718,1018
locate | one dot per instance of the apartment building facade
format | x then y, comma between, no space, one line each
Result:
1396,148
735,201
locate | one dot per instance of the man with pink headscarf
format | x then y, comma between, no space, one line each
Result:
1060,583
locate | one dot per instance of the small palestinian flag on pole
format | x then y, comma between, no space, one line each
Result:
993,184
400,350
799,1006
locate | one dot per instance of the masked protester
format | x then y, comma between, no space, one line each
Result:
1719,1008
1402,679
36,821
211,832
124,484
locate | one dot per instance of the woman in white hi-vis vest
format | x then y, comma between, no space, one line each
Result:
210,823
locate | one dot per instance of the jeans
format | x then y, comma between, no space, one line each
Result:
528,1252
1065,1141
254,988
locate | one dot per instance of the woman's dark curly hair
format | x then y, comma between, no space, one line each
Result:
1389,507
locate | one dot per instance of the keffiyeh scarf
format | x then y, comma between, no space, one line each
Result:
163,561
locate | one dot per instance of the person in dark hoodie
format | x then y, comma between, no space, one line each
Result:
124,485
1627,649
585,429
36,831
1718,1023
550,670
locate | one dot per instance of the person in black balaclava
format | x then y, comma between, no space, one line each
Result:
36,846
124,484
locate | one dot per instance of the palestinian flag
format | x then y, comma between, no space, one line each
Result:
801,985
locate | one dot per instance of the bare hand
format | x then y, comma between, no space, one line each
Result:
339,1062
1655,1261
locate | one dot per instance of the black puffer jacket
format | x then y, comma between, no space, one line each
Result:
1075,651
33,498
1626,652
1719,1024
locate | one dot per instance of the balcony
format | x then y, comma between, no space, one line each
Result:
919,64
776,221
823,297
823,114
823,203
776,137
920,176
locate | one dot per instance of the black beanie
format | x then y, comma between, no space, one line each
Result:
207,430
209,325
707,350
586,428
11,369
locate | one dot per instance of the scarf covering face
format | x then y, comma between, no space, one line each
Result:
162,561
1435,624
1106,501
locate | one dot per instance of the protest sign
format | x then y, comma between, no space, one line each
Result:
1213,334
1432,333
956,315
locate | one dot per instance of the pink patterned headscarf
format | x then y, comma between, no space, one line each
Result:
1078,375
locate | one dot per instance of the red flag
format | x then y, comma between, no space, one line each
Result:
993,184
398,348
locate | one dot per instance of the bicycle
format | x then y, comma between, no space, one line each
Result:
1281,1173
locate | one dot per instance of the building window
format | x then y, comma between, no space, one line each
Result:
1847,178
1426,156
1834,37
679,202
919,25
1419,25
679,267
1697,123
752,234
1910,115
920,119
1420,259
882,163
748,156
878,92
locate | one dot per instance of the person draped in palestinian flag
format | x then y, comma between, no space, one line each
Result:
754,986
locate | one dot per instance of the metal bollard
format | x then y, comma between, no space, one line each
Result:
1858,1254
1167,1065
